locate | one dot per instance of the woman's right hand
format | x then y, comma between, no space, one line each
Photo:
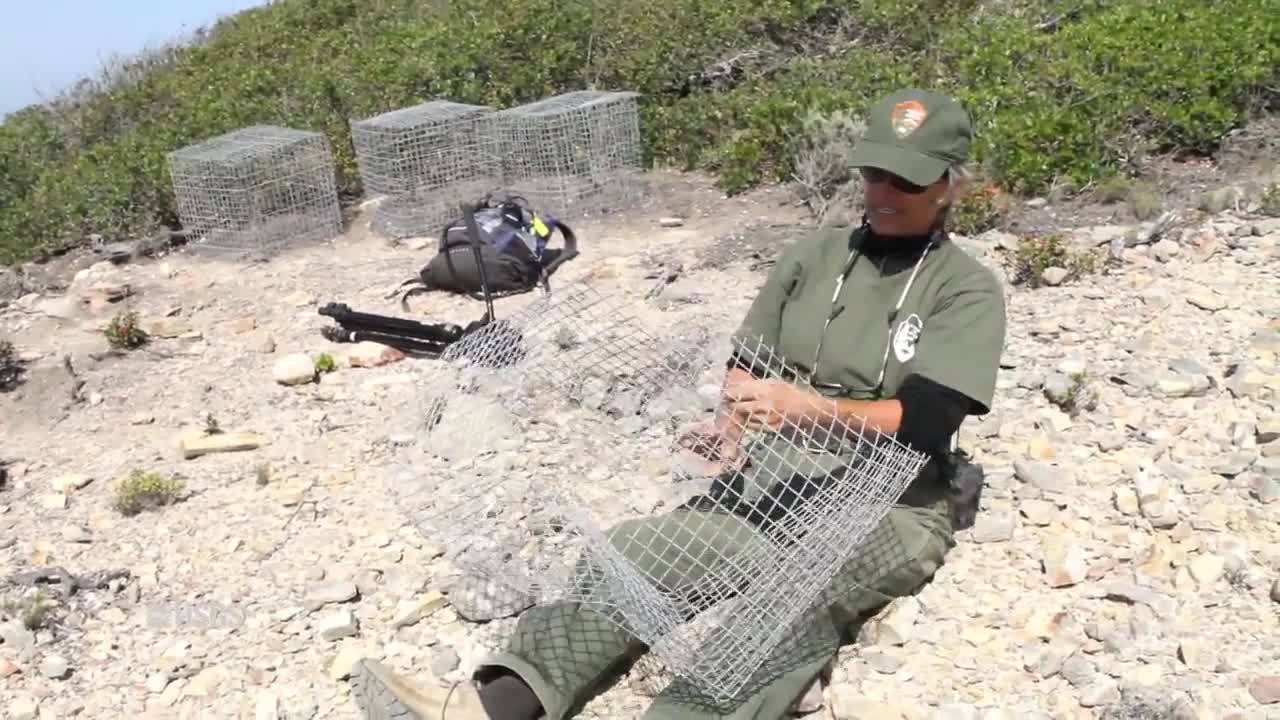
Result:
718,446
719,440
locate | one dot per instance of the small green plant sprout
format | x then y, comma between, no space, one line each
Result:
325,363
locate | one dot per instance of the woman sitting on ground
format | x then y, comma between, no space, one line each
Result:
894,326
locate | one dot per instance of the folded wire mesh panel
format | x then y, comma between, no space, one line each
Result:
572,453
257,189
422,161
578,152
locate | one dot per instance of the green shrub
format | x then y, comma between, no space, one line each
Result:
725,86
123,331
1115,189
1145,202
980,210
145,491
1270,203
11,367
35,611
1034,255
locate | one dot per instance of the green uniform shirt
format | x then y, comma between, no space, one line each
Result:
950,328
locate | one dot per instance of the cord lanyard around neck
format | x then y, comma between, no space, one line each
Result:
835,310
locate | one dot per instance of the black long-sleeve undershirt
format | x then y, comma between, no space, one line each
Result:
931,413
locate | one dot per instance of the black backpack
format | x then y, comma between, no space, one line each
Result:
513,254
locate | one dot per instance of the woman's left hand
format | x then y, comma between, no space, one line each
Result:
770,404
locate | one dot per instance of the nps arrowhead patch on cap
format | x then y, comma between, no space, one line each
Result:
907,116
915,134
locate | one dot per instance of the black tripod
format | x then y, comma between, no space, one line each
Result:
410,336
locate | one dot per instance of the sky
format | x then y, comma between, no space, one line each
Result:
48,45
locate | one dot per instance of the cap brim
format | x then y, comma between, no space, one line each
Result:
915,167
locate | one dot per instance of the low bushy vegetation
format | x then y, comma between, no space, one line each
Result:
124,331
11,366
34,610
1064,92
1036,254
143,491
1271,200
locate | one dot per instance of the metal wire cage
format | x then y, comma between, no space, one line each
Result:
577,153
256,190
550,461
423,161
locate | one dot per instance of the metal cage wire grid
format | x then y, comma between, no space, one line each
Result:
578,152
423,161
539,443
257,189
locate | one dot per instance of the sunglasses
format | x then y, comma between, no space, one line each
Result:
875,175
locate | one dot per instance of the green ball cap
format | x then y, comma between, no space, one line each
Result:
915,134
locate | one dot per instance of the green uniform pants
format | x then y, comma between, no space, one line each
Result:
568,653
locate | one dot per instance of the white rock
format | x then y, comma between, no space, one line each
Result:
1207,569
1064,564
897,622
295,369
1054,275
68,484
371,354
1206,300
157,682
54,667
24,707
267,706
53,501
338,625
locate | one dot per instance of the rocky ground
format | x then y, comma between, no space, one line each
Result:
1126,563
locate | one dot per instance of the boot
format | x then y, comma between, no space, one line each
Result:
383,695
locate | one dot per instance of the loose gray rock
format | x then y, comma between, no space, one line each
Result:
338,625
1206,300
1162,604
1040,475
1266,689
337,592
24,707
1079,671
957,711
16,637
444,660
54,667
1060,388
300,707
1100,694
1054,276
295,369
991,527
1235,463
1269,467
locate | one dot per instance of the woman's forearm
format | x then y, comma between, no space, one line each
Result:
878,415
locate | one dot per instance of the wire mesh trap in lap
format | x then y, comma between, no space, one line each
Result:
545,464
